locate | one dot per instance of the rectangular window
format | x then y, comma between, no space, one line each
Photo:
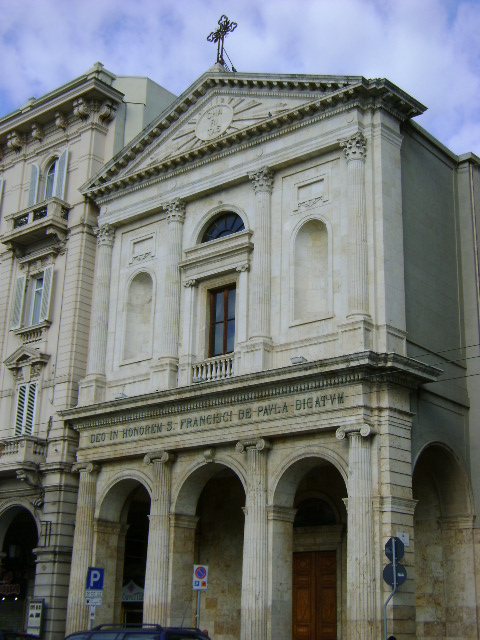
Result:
31,299
25,413
222,321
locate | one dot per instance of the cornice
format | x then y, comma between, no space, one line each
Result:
342,93
360,368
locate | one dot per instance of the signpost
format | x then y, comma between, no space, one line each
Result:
94,590
394,574
200,583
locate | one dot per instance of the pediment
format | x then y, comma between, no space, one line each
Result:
224,109
25,356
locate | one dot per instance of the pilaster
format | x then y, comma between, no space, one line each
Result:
77,611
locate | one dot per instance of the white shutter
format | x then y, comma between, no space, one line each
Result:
47,288
34,178
17,311
30,409
25,413
60,176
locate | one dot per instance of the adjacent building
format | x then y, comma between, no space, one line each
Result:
48,148
270,366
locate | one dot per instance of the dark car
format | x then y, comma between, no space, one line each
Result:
16,635
138,632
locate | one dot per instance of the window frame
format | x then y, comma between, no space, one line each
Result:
50,179
24,299
212,324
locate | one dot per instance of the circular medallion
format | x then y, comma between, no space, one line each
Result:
214,122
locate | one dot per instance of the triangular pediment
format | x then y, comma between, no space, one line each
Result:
223,109
25,356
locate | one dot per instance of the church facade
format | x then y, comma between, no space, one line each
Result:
283,338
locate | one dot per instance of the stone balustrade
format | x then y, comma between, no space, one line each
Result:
16,452
218,368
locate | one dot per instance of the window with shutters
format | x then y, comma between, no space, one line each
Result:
25,413
31,303
49,183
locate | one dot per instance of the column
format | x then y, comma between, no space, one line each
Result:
258,352
355,151
255,553
155,602
77,611
109,544
182,533
360,548
166,370
93,386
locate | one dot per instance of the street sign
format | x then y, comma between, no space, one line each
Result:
94,586
200,577
388,574
399,549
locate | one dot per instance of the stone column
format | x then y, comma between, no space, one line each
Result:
92,388
255,552
77,611
166,370
258,352
361,619
155,602
355,151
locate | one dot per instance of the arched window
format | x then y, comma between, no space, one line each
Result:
223,225
50,179
138,321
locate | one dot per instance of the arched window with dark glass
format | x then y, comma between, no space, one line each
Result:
50,179
223,225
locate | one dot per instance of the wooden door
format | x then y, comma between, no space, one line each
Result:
315,595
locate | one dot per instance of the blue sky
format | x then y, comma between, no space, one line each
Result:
430,48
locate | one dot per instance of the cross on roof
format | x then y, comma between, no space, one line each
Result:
225,27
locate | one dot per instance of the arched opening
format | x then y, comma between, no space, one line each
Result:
50,179
309,551
224,224
209,530
121,548
311,293
138,318
444,554
17,569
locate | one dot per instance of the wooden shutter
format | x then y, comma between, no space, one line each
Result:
22,392
47,288
60,176
30,409
34,178
18,301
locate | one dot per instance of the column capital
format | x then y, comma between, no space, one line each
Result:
175,210
262,180
355,147
87,467
259,444
163,457
105,235
363,430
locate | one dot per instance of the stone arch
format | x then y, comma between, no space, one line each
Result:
287,476
192,481
212,213
10,509
444,551
311,270
139,305
111,501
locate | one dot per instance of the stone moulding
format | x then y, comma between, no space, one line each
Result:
363,367
368,93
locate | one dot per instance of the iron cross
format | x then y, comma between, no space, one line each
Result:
225,27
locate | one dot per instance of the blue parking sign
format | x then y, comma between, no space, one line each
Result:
95,578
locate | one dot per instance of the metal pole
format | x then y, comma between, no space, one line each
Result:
394,589
198,609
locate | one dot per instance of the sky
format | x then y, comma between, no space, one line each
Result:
429,48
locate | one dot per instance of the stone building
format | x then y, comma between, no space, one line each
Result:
281,369
48,149
271,369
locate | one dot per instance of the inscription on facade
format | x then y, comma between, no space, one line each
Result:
226,417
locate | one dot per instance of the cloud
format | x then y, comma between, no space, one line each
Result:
430,49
